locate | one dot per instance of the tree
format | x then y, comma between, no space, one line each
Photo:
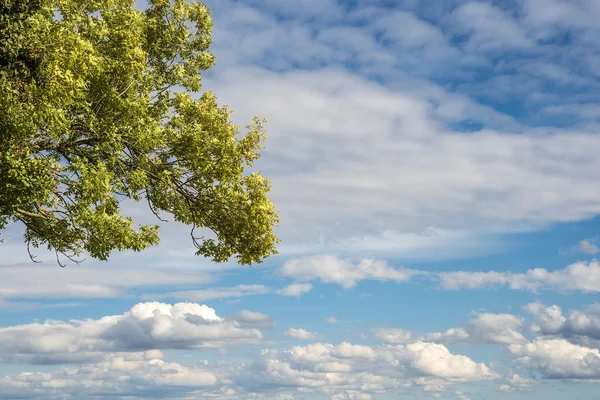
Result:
101,102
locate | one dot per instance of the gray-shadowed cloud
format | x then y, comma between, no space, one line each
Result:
345,371
576,325
558,359
483,328
146,326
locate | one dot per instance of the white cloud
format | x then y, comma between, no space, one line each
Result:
51,281
345,371
545,16
558,359
489,28
332,269
516,383
295,289
332,320
586,246
138,374
484,328
387,149
212,294
393,336
318,93
580,276
146,326
300,334
429,244
334,369
461,395
435,360
351,395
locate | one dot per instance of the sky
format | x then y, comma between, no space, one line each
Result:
435,165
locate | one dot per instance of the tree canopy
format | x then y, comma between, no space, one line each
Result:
101,102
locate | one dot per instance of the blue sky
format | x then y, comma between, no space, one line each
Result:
435,164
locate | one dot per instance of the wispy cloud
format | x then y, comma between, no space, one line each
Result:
586,246
331,269
580,276
211,293
51,281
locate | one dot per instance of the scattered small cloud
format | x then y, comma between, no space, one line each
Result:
461,396
295,289
586,246
516,383
393,336
300,334
251,319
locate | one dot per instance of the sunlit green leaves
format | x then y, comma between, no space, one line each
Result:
89,116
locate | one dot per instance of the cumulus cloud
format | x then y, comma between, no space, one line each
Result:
332,269
140,374
580,276
300,334
346,371
577,325
516,383
145,326
295,289
393,336
558,359
485,328
334,369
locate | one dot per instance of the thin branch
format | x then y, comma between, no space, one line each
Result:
31,256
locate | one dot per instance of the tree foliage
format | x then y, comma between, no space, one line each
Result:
101,102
